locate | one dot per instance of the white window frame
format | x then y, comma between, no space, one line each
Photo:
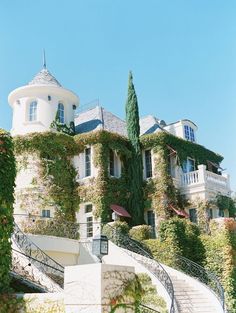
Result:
117,164
46,213
194,162
32,116
85,162
61,112
144,164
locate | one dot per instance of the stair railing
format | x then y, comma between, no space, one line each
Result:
203,275
36,256
141,255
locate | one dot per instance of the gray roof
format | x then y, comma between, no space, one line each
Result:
44,77
98,118
149,125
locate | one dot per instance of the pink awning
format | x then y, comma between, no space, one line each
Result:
119,210
180,212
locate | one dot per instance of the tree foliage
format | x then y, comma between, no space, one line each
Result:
135,167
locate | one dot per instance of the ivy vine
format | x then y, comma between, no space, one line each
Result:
7,179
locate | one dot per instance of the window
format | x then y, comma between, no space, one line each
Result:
189,165
45,213
88,208
210,214
221,213
49,98
112,163
193,215
148,163
87,162
33,111
151,221
60,113
90,226
189,133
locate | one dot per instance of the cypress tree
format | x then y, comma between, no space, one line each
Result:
135,167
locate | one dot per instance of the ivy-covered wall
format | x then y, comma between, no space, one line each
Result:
7,179
160,192
104,190
55,185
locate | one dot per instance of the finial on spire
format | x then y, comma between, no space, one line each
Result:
44,59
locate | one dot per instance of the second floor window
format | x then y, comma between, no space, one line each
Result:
61,113
148,163
111,163
88,162
189,165
33,111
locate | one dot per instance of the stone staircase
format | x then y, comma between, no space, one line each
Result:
192,299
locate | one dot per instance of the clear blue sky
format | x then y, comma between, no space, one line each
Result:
182,54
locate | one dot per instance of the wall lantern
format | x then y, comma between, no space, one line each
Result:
100,246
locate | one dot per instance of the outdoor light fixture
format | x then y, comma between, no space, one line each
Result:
100,246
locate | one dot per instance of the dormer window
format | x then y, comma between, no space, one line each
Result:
33,111
61,113
189,133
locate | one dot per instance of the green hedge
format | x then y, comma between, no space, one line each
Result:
7,179
220,249
140,232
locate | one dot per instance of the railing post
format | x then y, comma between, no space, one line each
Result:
202,173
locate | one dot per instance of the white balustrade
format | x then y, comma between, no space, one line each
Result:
190,178
216,179
202,176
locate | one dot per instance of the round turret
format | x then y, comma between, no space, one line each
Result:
38,104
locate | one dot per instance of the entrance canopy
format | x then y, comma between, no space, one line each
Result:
119,210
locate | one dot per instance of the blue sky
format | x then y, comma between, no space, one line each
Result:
182,54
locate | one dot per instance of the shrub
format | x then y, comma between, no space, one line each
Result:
115,231
220,252
7,178
140,232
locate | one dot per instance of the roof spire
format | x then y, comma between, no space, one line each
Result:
44,59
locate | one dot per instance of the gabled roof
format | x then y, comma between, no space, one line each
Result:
98,118
149,125
44,77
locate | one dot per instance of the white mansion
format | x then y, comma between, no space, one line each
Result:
35,106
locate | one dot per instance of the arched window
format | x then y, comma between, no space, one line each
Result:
61,114
33,111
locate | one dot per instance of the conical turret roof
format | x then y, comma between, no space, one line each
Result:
44,77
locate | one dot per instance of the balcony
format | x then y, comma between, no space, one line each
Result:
202,180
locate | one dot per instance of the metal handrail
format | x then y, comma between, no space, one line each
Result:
39,258
203,275
147,260
147,309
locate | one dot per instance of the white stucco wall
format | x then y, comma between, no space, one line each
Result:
20,99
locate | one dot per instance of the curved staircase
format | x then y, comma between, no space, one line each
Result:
191,288
30,263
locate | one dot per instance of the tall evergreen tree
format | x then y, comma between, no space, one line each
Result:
135,166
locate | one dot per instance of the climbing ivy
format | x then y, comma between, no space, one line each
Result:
57,173
182,147
105,190
226,203
160,192
7,178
